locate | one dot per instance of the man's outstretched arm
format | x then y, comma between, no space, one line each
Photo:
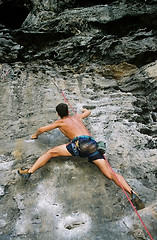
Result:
45,129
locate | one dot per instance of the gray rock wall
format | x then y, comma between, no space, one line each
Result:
103,57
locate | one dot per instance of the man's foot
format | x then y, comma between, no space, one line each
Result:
138,203
24,173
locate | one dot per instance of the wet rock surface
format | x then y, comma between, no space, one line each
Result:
102,54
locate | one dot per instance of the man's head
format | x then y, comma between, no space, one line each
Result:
62,110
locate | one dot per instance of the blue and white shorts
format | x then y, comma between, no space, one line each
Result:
84,146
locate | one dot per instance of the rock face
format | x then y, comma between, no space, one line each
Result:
102,54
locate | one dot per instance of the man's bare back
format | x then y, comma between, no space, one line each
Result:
72,126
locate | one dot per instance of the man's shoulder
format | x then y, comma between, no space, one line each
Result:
58,121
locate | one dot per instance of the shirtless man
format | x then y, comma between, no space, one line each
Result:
82,144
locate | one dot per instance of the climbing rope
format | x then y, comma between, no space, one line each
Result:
66,101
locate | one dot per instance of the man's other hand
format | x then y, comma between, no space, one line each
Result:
84,109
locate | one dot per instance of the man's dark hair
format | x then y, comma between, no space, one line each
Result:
62,110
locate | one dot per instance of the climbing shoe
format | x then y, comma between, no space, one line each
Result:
138,203
24,173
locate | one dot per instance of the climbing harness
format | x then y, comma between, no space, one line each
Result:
102,146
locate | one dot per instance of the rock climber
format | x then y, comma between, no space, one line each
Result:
81,144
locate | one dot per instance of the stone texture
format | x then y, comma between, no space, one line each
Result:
100,64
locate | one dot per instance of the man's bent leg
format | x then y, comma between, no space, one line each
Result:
54,152
41,161
120,181
107,171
